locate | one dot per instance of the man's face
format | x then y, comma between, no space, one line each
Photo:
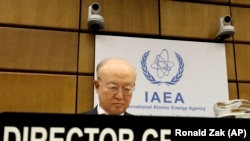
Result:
115,90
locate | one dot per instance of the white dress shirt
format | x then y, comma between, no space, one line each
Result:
101,111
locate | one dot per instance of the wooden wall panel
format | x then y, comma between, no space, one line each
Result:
61,48
230,62
126,16
191,20
244,91
240,21
207,1
233,93
213,1
24,92
242,52
85,96
86,53
40,50
42,13
240,2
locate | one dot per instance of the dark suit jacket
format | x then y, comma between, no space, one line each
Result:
94,112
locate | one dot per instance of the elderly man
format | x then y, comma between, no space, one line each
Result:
114,85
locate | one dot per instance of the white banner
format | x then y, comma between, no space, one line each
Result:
174,78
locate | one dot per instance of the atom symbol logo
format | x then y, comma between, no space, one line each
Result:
163,67
162,64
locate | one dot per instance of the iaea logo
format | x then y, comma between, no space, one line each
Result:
163,66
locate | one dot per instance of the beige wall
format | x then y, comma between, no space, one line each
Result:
47,52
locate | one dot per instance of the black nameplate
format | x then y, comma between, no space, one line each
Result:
70,127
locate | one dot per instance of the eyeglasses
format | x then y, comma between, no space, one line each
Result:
113,88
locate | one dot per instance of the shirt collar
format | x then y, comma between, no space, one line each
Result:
101,111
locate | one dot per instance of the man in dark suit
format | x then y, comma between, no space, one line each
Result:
114,85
